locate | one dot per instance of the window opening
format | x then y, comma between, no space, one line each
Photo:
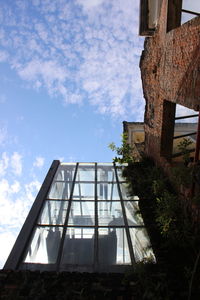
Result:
190,10
185,128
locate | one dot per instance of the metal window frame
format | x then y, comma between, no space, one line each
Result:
19,248
15,260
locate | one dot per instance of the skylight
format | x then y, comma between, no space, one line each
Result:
87,222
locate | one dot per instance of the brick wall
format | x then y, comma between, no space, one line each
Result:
170,70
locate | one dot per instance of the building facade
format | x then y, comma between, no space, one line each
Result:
170,65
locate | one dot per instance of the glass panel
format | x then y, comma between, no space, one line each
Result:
192,5
141,244
44,245
185,17
85,172
113,246
106,173
110,213
125,190
119,173
53,213
78,246
83,191
107,191
132,213
65,172
81,213
60,190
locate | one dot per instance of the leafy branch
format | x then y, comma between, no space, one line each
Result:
124,152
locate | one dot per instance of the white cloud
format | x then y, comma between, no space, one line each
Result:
49,70
16,163
15,204
15,187
16,198
13,207
88,50
89,4
3,56
39,162
31,189
4,163
7,240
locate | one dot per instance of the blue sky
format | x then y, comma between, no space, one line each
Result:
69,76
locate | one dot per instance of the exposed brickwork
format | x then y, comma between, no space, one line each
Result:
170,69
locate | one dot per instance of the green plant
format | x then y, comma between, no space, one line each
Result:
182,175
124,152
183,148
166,213
171,230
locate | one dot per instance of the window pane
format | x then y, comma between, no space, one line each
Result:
119,173
53,213
125,190
85,172
192,5
185,17
78,246
110,213
65,172
82,213
83,191
107,191
105,173
44,245
113,246
60,190
132,213
141,244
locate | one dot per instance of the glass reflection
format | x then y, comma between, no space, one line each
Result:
110,213
110,242
82,213
83,191
105,173
113,247
125,190
141,244
120,173
133,215
85,172
53,213
107,191
65,172
60,190
78,246
44,245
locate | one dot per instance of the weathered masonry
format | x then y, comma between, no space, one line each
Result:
170,69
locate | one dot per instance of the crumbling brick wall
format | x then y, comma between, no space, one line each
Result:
170,70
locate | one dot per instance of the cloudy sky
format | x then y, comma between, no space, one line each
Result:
69,76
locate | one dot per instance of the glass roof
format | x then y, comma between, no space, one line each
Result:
88,222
